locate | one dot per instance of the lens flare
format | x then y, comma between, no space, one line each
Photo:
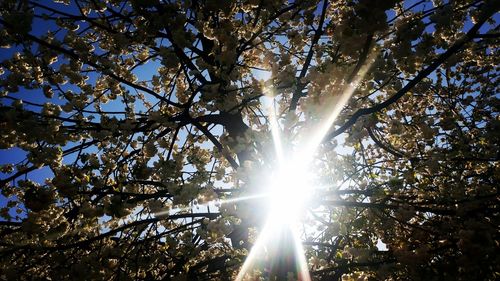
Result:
290,187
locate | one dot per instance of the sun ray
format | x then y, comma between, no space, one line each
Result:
300,256
275,132
255,250
212,202
334,107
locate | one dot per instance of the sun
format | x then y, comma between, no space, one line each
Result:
290,190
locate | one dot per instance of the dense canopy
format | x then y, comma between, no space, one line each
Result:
129,129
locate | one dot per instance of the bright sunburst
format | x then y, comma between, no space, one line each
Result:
291,185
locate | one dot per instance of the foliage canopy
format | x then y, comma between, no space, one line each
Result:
139,112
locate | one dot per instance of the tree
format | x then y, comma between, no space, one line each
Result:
147,117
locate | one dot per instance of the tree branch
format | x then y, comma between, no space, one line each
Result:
421,75
217,144
300,86
104,70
